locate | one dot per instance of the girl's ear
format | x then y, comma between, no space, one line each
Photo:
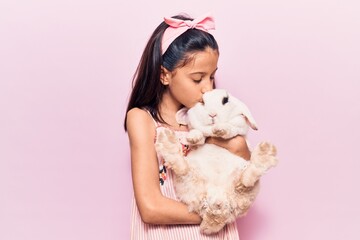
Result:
164,76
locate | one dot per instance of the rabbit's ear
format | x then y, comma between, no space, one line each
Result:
248,117
182,116
251,122
245,112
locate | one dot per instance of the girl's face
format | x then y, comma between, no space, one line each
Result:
188,83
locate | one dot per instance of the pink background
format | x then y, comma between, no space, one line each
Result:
65,72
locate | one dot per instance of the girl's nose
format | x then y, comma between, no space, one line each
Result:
207,87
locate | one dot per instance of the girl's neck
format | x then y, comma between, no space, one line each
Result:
168,108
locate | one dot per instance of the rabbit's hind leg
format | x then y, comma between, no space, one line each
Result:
262,158
212,223
168,146
264,155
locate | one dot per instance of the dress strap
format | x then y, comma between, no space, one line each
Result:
157,124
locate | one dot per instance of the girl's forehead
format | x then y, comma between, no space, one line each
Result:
201,60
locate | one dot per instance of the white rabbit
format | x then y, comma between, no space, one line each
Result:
216,184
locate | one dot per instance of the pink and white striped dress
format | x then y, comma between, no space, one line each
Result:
143,231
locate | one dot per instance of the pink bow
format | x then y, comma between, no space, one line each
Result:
178,27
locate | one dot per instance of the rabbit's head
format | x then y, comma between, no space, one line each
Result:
218,106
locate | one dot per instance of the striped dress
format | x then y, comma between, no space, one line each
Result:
143,231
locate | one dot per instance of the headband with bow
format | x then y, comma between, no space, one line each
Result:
178,27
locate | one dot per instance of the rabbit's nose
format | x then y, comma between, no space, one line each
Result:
212,115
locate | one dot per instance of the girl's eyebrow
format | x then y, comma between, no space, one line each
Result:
203,72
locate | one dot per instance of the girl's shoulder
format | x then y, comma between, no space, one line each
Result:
137,118
137,112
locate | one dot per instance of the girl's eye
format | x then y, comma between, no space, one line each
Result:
197,80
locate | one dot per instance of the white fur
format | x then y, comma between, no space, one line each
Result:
213,182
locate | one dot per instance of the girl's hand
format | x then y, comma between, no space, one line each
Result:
236,145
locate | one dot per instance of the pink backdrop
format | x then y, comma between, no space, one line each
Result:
65,70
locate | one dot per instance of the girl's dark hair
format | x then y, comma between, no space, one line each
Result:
147,88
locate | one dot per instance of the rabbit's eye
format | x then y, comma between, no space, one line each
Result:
225,100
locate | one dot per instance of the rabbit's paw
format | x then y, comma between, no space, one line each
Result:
169,147
264,156
221,130
266,148
167,143
195,137
250,176
211,223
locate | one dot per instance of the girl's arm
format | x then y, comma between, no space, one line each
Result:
154,208
236,145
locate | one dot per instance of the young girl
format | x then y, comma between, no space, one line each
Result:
177,67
